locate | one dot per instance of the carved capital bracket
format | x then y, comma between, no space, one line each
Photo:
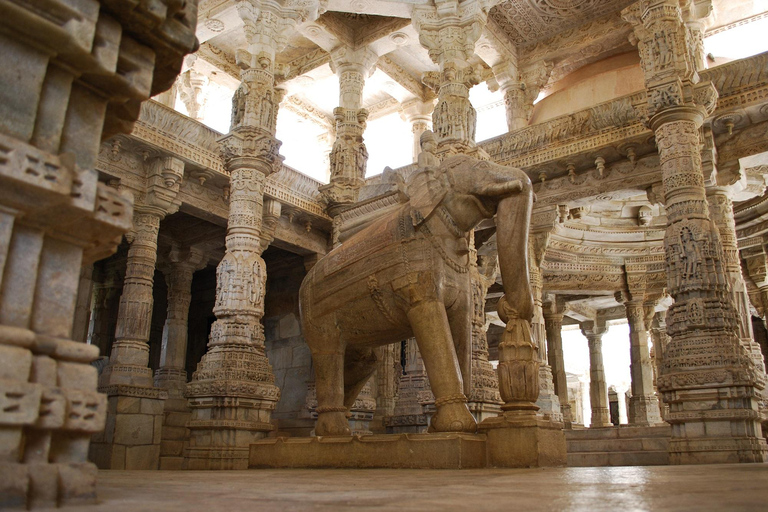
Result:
248,147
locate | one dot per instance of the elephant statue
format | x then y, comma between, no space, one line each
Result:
406,274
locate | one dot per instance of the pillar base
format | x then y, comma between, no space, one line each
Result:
644,411
484,410
131,439
222,444
520,439
713,450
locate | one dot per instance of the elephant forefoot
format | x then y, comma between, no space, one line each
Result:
332,423
453,417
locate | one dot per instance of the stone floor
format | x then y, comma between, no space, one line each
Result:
717,487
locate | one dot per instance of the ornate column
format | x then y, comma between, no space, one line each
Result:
553,309
348,156
721,213
708,378
643,404
419,115
83,304
408,415
660,341
598,388
61,92
386,378
171,375
449,33
106,297
542,224
191,85
484,400
132,437
521,88
232,393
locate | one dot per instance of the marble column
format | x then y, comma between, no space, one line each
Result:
484,399
171,375
408,415
598,388
643,404
191,86
418,114
63,93
553,324
520,91
349,157
106,298
83,304
708,378
233,392
721,212
134,416
660,341
450,38
179,272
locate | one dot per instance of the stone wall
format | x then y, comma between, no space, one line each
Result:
287,351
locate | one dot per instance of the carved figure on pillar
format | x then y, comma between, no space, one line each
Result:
232,393
349,157
708,378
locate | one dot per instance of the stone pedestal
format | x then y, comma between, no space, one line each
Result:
131,438
519,439
399,451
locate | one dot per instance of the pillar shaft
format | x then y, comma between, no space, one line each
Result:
643,404
232,393
553,325
130,351
598,388
708,378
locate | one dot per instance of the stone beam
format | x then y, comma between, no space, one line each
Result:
309,111
400,75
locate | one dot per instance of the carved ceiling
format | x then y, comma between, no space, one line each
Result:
529,21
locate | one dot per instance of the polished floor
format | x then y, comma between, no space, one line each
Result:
699,488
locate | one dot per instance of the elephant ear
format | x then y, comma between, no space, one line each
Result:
426,190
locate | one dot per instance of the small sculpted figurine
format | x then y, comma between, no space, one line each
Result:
406,275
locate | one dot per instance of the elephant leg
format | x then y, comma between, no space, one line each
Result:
329,383
459,318
429,322
359,365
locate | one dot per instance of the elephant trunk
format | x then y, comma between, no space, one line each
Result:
513,218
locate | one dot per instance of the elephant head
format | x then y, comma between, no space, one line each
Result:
471,190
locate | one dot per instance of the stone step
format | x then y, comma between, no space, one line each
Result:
618,445
622,432
629,458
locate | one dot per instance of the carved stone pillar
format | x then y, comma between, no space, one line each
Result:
171,375
386,378
598,388
548,401
450,36
708,378
408,415
520,91
484,400
106,298
349,156
553,324
418,114
643,404
191,87
721,213
83,304
61,91
232,393
134,416
660,341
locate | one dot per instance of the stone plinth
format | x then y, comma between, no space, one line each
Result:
519,440
401,451
131,439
